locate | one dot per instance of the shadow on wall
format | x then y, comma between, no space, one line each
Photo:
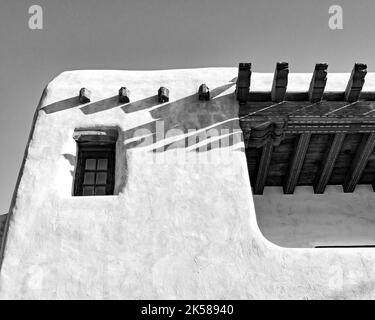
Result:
101,105
3,219
62,105
197,126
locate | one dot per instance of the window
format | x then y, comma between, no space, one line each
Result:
95,172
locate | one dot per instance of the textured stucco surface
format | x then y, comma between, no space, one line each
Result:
174,228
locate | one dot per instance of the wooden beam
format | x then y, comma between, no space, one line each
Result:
203,92
163,94
124,95
280,82
359,163
334,96
296,96
243,82
297,162
84,95
259,96
318,82
355,83
368,96
264,164
328,162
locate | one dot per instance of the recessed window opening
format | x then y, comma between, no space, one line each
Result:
315,190
95,171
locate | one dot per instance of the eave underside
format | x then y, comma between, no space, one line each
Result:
313,144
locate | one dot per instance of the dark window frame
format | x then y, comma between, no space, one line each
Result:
95,145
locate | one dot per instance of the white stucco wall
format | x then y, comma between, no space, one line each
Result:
174,228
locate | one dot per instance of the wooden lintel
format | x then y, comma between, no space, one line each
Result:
264,164
363,152
280,82
243,82
355,83
296,96
318,82
367,96
259,96
328,163
296,163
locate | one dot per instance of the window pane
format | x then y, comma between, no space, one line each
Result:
88,191
89,178
95,172
100,191
90,164
102,164
101,178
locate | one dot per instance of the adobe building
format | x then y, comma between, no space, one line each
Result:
214,183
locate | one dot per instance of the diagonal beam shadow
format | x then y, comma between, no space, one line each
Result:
140,104
153,100
62,105
214,136
112,102
101,105
222,134
183,115
186,113
190,105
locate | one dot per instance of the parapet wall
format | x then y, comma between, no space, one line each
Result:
181,223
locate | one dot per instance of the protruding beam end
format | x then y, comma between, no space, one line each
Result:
84,95
163,94
355,83
243,82
124,95
204,92
280,82
318,82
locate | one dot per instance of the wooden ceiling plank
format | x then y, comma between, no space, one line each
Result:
355,83
280,82
328,163
359,162
318,82
264,164
297,162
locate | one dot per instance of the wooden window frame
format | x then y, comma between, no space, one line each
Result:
95,144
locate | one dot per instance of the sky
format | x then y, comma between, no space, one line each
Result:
162,34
